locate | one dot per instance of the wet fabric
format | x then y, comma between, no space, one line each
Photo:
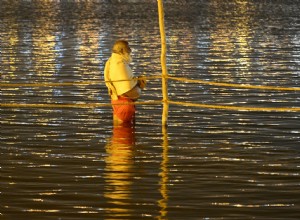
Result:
123,108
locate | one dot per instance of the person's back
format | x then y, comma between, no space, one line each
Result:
123,87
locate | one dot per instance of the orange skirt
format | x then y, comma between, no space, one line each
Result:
123,108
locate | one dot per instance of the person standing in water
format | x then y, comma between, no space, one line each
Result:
123,87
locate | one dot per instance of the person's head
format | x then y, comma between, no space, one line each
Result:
121,47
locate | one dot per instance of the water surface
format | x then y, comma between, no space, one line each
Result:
71,163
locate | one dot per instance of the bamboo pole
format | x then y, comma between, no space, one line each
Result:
163,62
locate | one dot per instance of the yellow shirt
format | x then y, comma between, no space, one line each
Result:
117,71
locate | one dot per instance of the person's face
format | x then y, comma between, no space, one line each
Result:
128,49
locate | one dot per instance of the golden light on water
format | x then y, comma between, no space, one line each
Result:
60,157
231,38
118,172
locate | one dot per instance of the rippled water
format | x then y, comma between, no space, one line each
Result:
69,162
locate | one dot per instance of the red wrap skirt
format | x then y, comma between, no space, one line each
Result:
123,108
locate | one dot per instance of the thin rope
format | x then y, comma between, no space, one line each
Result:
188,104
182,79
50,84
235,85
236,108
75,105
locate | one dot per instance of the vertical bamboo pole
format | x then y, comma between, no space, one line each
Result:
163,62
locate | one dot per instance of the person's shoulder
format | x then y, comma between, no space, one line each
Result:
121,62
117,59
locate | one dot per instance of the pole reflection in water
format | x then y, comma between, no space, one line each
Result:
163,203
119,172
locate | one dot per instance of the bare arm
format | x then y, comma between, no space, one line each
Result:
134,93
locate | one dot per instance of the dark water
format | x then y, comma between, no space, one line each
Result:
71,163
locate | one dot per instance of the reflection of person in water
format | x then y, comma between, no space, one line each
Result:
119,171
122,86
123,135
